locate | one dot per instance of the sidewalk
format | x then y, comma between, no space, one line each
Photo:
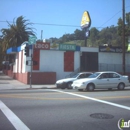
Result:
7,82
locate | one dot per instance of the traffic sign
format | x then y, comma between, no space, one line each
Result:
32,40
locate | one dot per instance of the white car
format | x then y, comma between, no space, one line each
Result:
66,83
102,80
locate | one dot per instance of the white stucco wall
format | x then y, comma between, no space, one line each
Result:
53,61
24,63
15,64
20,63
27,67
113,58
128,59
109,58
113,61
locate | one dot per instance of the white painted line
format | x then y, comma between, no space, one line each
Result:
17,123
94,99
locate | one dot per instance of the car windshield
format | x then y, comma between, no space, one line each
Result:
75,75
94,75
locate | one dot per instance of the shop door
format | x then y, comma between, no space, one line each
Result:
89,61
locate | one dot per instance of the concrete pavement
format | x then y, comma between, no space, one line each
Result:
7,82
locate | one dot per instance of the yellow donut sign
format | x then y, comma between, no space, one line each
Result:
86,21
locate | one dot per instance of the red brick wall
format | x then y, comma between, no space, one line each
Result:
22,77
43,77
37,77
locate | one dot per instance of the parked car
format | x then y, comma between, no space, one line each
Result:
102,80
66,83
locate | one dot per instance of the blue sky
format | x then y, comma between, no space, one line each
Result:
46,14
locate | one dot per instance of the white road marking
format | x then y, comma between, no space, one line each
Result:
17,123
94,99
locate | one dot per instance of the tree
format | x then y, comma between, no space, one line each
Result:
17,33
120,23
94,34
127,25
79,34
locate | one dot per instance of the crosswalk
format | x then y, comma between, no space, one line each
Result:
16,122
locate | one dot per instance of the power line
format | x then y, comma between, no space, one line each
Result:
48,24
110,18
53,24
57,24
71,25
113,16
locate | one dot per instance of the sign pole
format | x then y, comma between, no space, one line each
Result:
85,24
85,37
31,67
32,41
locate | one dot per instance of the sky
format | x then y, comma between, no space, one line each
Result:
58,17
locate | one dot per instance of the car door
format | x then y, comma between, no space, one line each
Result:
103,81
114,79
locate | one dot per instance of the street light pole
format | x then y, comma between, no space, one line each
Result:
123,36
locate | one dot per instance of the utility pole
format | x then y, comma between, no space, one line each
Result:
41,34
123,36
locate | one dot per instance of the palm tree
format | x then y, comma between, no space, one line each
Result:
17,33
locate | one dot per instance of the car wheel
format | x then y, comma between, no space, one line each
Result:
121,86
90,87
57,86
63,86
69,85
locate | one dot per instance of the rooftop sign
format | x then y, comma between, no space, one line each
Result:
114,49
42,45
67,47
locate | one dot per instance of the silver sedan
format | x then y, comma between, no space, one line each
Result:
102,80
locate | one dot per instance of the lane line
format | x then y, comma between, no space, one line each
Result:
94,99
38,98
16,122
58,98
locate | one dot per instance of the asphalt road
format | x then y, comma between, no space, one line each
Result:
55,109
